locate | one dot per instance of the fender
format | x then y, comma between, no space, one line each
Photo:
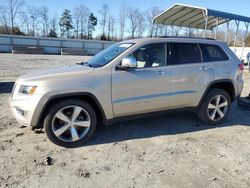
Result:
66,95
213,83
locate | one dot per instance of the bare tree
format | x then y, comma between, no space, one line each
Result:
161,30
4,19
111,27
14,6
26,21
134,18
33,13
84,18
9,11
150,14
44,15
81,17
104,13
122,20
54,23
77,14
188,32
175,30
141,24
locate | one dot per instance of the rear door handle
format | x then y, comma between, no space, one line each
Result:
162,72
205,67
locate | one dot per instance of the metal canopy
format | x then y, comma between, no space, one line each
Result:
195,17
202,18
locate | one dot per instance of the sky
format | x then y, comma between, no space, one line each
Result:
56,7
241,7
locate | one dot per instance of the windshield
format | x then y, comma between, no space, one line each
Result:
107,55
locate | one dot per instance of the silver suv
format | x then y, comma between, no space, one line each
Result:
135,77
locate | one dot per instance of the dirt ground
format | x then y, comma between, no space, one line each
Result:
166,151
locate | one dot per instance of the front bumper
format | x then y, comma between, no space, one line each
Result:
27,109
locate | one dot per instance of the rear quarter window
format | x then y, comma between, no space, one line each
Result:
213,53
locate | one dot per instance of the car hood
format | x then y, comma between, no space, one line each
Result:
56,72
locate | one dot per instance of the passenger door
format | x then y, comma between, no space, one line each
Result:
190,75
215,55
145,88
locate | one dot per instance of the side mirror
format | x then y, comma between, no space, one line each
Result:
128,62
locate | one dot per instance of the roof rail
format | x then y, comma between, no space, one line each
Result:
184,37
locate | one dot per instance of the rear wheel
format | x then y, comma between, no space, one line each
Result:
215,107
70,123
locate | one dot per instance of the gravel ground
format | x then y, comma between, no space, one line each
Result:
165,151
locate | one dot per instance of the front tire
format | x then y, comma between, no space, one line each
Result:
70,123
215,107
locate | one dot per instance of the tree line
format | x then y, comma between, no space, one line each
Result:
18,19
81,23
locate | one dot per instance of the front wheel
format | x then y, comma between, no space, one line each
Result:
70,123
215,107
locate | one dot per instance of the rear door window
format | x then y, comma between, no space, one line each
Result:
183,53
212,53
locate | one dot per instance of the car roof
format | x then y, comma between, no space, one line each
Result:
174,39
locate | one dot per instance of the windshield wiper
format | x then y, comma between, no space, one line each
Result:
84,63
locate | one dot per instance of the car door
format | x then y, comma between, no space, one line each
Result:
215,55
190,75
145,88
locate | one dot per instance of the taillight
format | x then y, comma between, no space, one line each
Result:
241,66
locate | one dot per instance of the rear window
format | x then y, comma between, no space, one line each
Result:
213,53
183,53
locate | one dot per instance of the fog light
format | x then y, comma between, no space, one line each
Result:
20,111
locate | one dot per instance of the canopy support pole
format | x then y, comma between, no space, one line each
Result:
236,34
205,17
216,29
227,30
156,31
243,46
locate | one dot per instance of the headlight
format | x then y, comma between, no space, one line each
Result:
27,90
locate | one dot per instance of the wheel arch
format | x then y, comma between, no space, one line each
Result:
225,84
87,97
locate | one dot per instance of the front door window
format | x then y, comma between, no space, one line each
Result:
151,55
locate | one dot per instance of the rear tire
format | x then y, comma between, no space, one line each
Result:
70,123
215,107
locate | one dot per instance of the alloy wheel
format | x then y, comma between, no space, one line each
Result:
71,123
217,107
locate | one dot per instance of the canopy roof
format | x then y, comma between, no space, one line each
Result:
195,17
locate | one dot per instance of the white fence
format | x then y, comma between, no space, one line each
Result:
55,45
51,45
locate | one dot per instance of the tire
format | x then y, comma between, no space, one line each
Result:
208,111
70,123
